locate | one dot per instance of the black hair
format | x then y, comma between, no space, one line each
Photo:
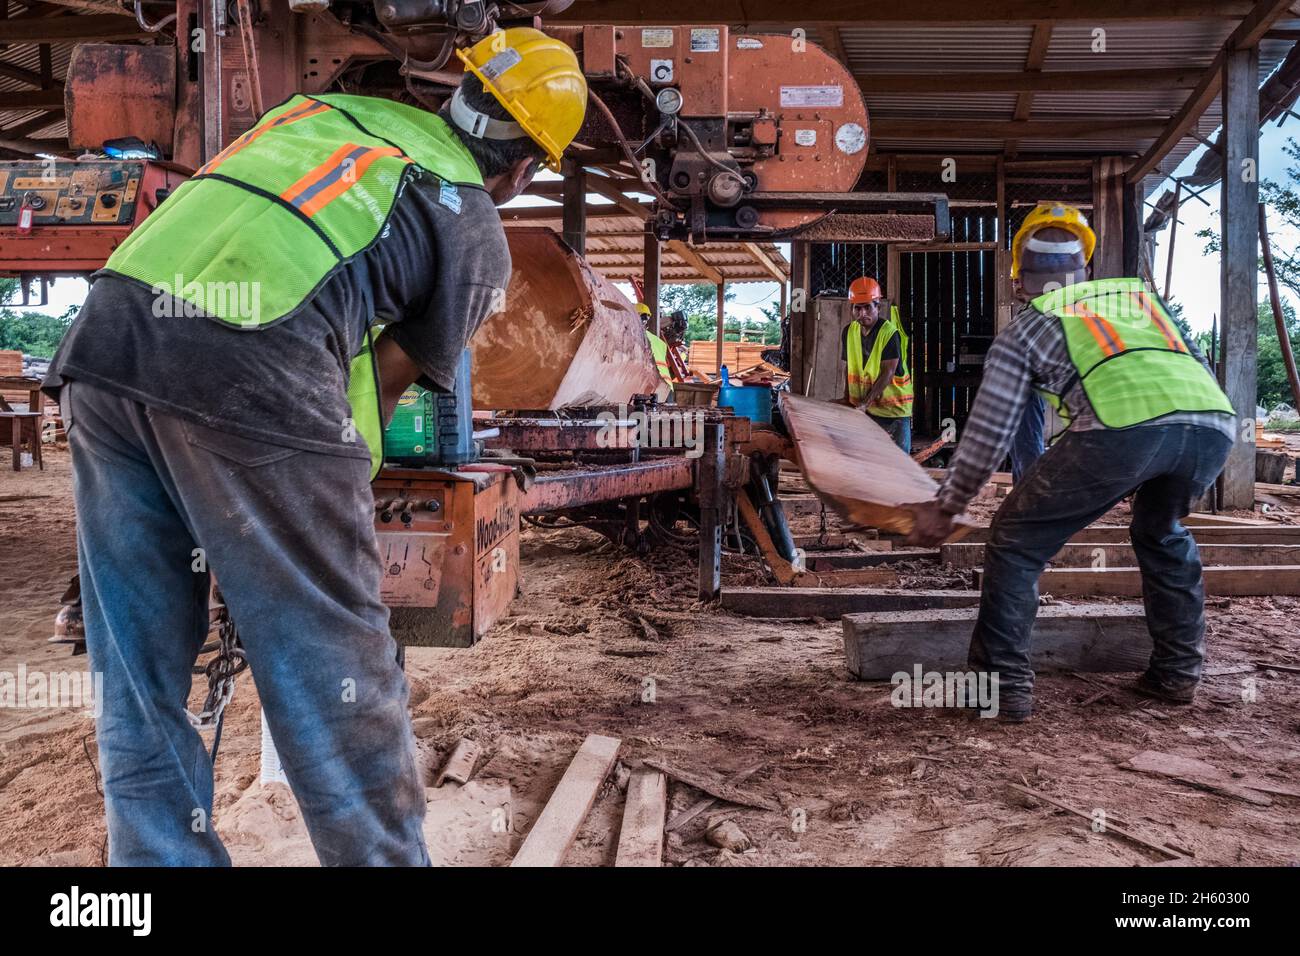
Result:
494,156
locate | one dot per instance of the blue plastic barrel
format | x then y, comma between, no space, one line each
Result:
751,401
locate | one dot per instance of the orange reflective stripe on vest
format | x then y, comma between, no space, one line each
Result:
1102,331
1175,341
334,177
295,114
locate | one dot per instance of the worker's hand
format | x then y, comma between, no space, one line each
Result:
932,525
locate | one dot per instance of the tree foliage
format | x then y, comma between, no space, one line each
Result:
33,333
700,303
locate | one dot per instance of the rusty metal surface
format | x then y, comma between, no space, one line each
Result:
573,489
556,434
566,337
450,548
115,90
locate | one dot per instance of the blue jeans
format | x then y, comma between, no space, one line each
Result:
900,429
1077,481
1027,443
289,535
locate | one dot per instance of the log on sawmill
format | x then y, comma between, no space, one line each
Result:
567,336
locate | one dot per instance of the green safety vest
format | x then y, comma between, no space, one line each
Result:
660,350
264,223
896,399
1129,355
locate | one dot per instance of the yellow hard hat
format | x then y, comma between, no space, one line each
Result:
1060,216
642,308
537,79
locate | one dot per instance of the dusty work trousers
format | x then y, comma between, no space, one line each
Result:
289,535
1078,480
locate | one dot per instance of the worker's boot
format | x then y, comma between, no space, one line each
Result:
69,625
1171,692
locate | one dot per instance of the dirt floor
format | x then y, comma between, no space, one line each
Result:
595,631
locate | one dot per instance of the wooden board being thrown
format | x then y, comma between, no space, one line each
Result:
855,467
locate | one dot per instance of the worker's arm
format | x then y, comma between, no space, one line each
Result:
887,370
994,417
397,371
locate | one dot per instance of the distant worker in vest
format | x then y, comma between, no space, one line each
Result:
220,392
658,347
875,350
1145,418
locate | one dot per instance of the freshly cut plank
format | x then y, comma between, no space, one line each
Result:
854,466
1199,774
1260,581
1081,637
641,839
560,820
1090,554
830,603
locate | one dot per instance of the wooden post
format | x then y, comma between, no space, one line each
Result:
1275,301
722,286
650,280
799,261
575,206
1173,237
1132,230
1239,265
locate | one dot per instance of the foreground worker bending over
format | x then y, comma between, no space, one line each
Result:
875,351
1144,416
220,395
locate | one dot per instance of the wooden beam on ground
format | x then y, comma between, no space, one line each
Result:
561,818
1090,554
831,603
1226,581
1086,127
1081,637
1239,266
1210,534
641,839
1247,34
95,26
756,14
835,560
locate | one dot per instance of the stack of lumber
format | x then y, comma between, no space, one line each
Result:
1239,560
737,356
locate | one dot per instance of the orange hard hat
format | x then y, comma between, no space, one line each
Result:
865,289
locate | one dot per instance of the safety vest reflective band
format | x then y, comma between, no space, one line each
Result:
660,349
1131,359
261,226
895,401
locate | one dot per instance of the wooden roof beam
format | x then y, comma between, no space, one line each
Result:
1034,60
763,259
94,26
689,255
1248,33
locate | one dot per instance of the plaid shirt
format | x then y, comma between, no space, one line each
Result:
1030,353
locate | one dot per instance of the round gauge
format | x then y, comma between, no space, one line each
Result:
851,138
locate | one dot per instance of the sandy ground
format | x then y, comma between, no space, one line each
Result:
858,781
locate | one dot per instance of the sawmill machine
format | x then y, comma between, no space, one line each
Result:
732,136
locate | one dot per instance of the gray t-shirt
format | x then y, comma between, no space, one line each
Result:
433,274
